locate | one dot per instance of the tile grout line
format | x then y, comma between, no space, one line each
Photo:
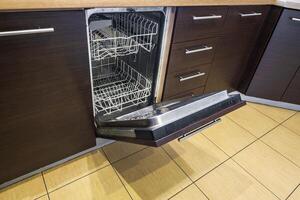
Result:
292,192
279,153
255,178
277,124
257,139
192,182
118,174
201,190
42,173
110,164
281,123
268,115
231,158
79,178
180,191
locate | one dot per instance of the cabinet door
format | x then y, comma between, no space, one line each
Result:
45,100
229,62
280,60
242,26
292,93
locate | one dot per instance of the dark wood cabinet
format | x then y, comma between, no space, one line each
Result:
198,22
292,93
274,76
225,37
45,100
240,34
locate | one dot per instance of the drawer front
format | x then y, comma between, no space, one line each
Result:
186,94
189,54
248,17
181,82
197,22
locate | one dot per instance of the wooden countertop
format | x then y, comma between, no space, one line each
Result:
68,4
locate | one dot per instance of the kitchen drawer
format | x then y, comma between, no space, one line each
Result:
250,17
181,82
197,22
186,94
188,54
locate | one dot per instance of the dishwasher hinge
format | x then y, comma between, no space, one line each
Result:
198,130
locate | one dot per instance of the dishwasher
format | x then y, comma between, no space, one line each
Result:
128,53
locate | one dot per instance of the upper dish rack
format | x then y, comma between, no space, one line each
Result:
128,32
117,86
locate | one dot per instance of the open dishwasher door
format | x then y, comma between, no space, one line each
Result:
160,123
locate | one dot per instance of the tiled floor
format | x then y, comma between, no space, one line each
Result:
254,153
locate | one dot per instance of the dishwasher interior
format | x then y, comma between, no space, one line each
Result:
125,47
124,58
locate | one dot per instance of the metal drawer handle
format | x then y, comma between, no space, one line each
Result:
295,19
198,130
26,32
197,74
250,14
205,48
207,17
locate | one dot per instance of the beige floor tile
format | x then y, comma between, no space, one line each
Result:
278,114
229,181
286,142
252,120
295,195
30,188
151,174
196,155
43,198
103,184
74,169
191,192
119,150
270,168
230,137
293,123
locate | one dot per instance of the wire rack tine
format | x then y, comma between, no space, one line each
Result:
121,86
125,36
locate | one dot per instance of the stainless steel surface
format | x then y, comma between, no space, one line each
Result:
207,17
250,14
296,19
164,52
89,12
169,116
205,48
279,104
197,74
26,32
198,130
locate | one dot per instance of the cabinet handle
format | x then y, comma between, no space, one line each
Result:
207,17
205,48
295,19
26,32
250,14
197,74
198,130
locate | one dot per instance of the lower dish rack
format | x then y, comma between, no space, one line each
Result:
118,86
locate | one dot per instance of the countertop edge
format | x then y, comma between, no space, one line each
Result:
17,5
